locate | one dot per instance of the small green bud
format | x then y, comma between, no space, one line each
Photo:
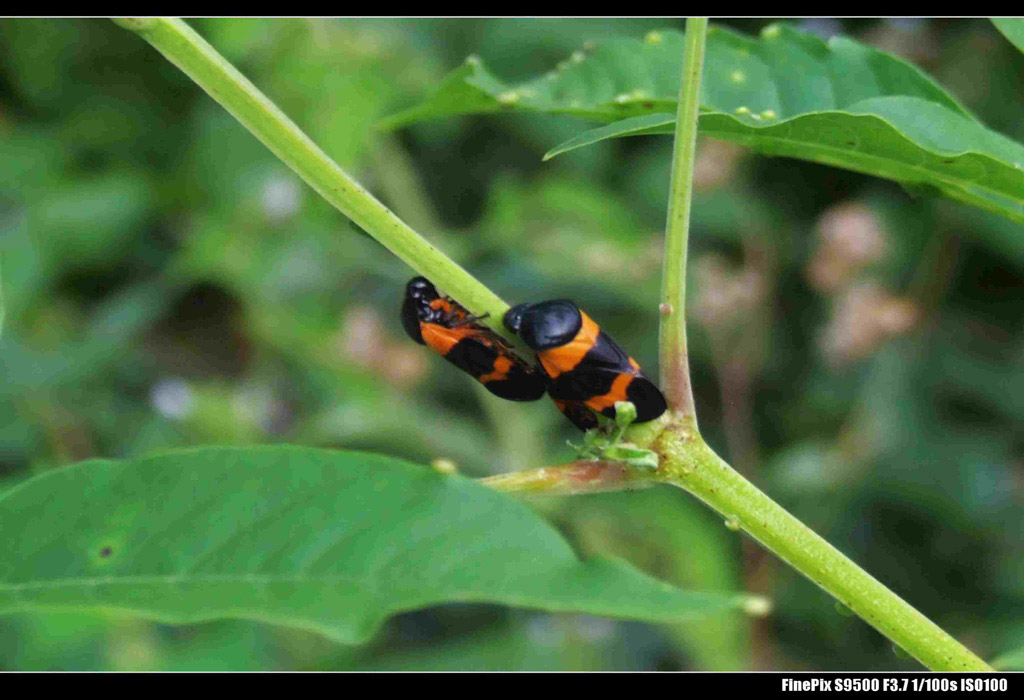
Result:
632,455
444,466
625,413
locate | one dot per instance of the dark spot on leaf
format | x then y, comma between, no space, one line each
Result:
106,552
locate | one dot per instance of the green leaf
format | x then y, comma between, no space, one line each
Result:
1012,28
787,71
1,297
331,541
634,126
672,536
932,147
786,93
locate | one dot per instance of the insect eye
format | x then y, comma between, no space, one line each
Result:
514,317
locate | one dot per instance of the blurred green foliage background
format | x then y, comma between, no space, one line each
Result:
857,349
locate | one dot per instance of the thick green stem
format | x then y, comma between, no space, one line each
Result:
675,368
585,476
201,62
689,463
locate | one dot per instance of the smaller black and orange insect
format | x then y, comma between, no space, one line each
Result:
446,326
587,370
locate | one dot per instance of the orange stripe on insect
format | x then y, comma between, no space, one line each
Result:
565,357
502,365
445,305
443,339
616,393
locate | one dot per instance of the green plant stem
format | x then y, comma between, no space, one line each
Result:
675,369
689,463
201,62
574,478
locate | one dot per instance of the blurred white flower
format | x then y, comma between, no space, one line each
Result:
725,293
863,318
850,237
361,337
172,398
280,197
543,631
363,341
595,629
716,163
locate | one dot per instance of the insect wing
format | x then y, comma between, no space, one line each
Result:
578,413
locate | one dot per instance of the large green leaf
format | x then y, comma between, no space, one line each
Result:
667,533
327,540
786,93
1,298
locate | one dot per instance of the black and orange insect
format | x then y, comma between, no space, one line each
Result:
586,370
446,326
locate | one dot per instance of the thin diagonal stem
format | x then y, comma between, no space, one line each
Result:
192,54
